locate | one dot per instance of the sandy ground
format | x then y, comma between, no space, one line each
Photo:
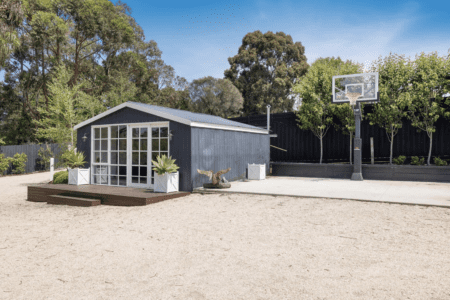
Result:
221,247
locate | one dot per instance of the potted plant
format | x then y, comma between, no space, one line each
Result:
166,177
74,161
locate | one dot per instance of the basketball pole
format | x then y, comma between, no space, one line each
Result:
357,171
348,86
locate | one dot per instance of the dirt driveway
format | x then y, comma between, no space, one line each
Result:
221,247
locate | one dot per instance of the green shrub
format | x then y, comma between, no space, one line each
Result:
439,162
61,177
18,162
415,161
399,160
45,154
4,163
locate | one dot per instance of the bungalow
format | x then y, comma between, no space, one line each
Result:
120,143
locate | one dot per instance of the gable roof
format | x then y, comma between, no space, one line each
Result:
180,116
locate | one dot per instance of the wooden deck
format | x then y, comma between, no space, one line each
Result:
108,195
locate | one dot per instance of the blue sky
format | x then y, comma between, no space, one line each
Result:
357,31
196,37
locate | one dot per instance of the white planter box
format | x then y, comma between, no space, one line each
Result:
256,172
166,183
79,176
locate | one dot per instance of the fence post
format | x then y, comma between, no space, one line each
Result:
371,149
52,168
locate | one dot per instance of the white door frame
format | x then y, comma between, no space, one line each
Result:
149,127
148,185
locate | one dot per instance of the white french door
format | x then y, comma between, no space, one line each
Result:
109,155
146,142
139,163
122,154
159,145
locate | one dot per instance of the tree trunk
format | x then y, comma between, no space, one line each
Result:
58,50
321,149
392,146
72,134
351,146
75,72
429,151
43,78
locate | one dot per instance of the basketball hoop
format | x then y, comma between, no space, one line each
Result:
356,88
353,97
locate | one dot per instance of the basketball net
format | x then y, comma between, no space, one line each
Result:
352,97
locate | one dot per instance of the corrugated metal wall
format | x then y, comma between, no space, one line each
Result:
215,150
31,151
304,146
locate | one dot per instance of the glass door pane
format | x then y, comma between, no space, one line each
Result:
118,154
109,164
139,153
159,145
99,170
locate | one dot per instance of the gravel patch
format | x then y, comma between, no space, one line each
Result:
221,247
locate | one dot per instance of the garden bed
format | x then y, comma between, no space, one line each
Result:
370,172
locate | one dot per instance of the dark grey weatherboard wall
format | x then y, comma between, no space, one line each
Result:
179,145
214,149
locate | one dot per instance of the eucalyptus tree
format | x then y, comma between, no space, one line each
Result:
217,97
95,25
70,32
395,74
120,91
265,69
11,15
98,42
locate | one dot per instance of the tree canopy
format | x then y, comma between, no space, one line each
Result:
425,102
315,88
395,73
265,69
59,118
217,97
98,42
10,16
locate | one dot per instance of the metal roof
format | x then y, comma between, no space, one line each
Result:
181,116
195,117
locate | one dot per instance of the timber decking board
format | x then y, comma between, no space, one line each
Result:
73,201
109,195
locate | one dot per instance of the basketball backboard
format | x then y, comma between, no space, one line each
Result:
356,87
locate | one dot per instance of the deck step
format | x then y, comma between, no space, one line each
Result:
72,201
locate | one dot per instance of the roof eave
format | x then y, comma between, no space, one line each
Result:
167,116
133,106
226,127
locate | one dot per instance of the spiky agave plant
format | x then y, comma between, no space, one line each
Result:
74,159
164,164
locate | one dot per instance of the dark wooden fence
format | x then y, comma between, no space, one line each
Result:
304,146
33,163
